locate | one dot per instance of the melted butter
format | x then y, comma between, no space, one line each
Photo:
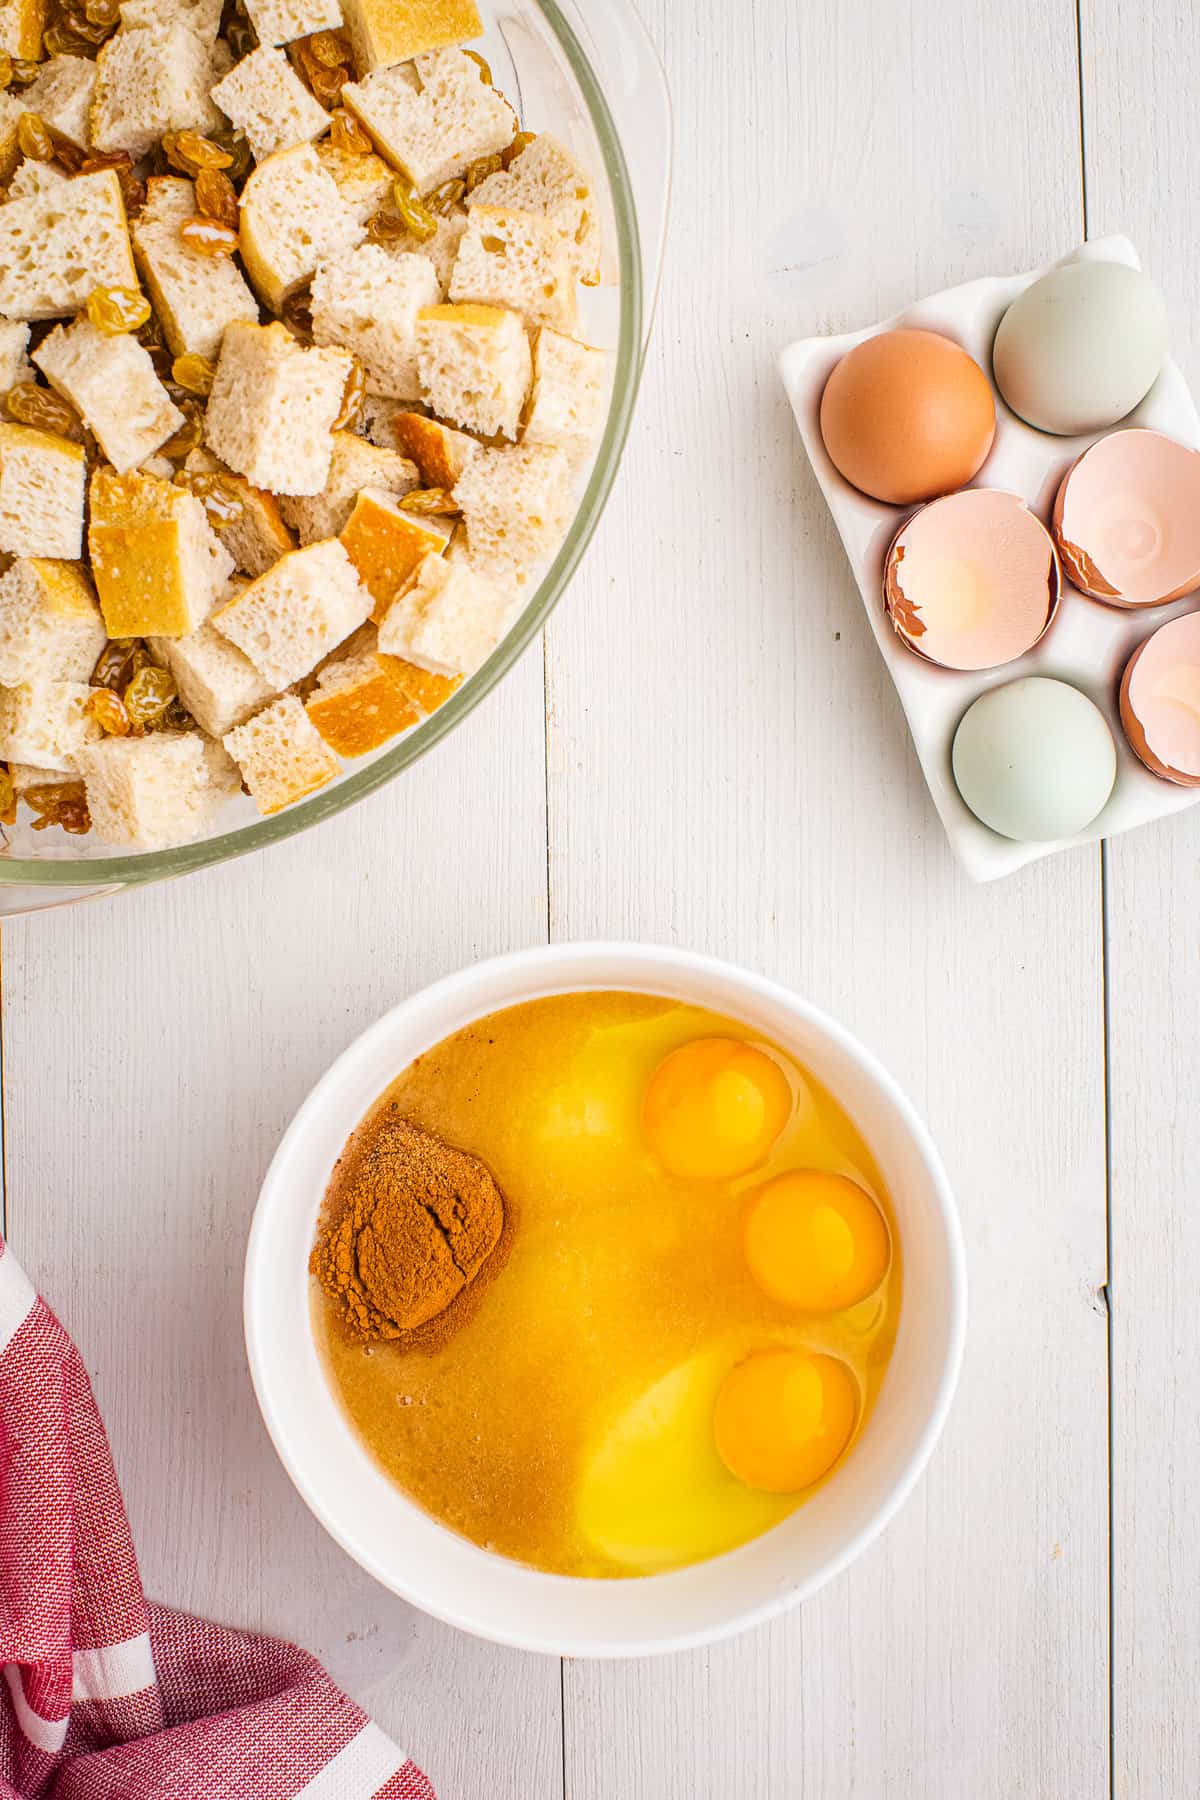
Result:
568,1425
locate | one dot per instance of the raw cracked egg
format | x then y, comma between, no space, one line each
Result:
972,580
816,1241
1034,759
1081,347
1127,519
1160,701
713,1108
907,415
783,1417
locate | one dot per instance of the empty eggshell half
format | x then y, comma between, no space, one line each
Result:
1127,519
1160,701
971,581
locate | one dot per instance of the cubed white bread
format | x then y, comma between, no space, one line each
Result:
21,25
448,620
14,341
516,505
360,701
296,613
265,98
201,16
61,96
219,686
158,566
149,82
35,180
26,775
355,464
56,246
387,545
440,250
10,121
42,480
50,624
293,218
430,119
518,260
46,723
570,393
364,182
150,792
281,754
195,296
271,411
111,383
368,302
376,422
440,453
545,178
257,536
282,21
394,31
475,366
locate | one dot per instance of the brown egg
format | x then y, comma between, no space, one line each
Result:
907,415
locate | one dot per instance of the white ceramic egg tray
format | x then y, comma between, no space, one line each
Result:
1088,644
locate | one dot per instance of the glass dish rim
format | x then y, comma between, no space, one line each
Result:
130,870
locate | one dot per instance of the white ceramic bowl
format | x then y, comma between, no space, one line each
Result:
406,1549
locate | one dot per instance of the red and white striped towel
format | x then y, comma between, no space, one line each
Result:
106,1697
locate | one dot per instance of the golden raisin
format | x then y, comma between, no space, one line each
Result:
296,312
102,12
418,219
133,191
218,493
521,141
190,435
347,134
327,84
25,70
148,695
208,236
485,68
386,227
444,198
194,374
329,48
432,502
34,139
115,664
108,710
236,146
60,41
241,37
6,69
64,804
41,407
480,169
353,397
188,152
216,198
69,155
114,310
8,798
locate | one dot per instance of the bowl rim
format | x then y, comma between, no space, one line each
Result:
133,869
520,971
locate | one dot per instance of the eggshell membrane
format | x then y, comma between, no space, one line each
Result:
1160,701
972,581
907,415
1127,519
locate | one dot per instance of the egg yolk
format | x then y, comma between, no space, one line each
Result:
816,1241
713,1109
783,1417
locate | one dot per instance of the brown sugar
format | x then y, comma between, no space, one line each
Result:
410,1224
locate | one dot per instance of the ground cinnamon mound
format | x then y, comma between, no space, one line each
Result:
411,1223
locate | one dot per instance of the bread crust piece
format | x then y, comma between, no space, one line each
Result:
57,245
440,452
360,701
394,31
157,565
388,545
281,754
42,480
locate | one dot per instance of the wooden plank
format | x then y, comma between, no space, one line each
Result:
1142,161
156,1047
728,769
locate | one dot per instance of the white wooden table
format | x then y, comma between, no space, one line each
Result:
709,753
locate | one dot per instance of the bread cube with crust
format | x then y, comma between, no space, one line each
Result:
360,700
516,505
448,620
440,452
292,218
195,296
42,480
281,754
431,117
149,82
426,691
383,32
355,464
518,260
10,147
111,383
46,723
265,98
296,613
387,545
368,301
475,366
201,16
35,180
158,567
61,96
271,411
50,624
439,251
151,792
569,393
58,244
219,685
545,178
256,537
363,182
282,21
14,341
21,25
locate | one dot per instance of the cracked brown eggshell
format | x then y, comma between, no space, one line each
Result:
1160,701
1126,519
